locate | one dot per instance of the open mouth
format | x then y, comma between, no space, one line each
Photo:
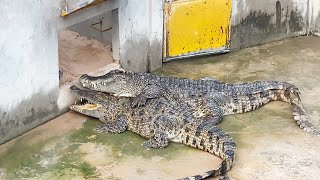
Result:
83,103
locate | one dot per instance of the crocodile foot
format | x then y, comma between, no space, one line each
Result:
139,101
117,127
151,143
225,177
158,141
107,128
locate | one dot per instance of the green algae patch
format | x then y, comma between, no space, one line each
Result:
31,161
124,144
23,160
71,164
67,157
87,170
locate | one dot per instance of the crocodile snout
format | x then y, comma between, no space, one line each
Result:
74,88
84,80
84,76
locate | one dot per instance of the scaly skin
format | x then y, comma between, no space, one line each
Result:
160,121
231,98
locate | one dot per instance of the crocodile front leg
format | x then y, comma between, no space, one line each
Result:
149,92
114,127
160,140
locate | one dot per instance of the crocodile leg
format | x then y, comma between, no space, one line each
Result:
208,107
114,127
160,140
163,126
149,92
214,104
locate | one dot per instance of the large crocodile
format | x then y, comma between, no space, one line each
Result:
160,121
232,98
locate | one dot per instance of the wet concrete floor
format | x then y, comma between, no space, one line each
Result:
270,144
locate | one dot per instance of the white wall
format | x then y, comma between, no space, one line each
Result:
315,17
28,65
140,33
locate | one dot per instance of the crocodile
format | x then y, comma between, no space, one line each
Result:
160,121
232,98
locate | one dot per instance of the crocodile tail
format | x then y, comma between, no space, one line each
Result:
260,86
250,96
275,91
292,95
300,114
207,137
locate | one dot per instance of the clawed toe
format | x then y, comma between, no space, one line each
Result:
98,130
138,101
145,144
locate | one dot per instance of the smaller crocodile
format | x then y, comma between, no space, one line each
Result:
231,98
160,121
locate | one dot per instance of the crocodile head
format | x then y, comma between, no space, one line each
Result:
116,82
91,103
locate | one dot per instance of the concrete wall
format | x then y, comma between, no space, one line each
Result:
257,22
315,17
140,34
85,29
28,65
136,35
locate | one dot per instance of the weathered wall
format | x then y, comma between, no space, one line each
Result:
28,65
85,29
136,35
258,22
315,17
140,34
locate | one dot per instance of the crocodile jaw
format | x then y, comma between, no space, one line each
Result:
92,110
89,107
124,95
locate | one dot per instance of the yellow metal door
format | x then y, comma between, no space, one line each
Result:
196,27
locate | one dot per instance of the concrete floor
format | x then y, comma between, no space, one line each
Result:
270,144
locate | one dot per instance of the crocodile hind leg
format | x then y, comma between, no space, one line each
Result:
114,127
162,127
209,107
